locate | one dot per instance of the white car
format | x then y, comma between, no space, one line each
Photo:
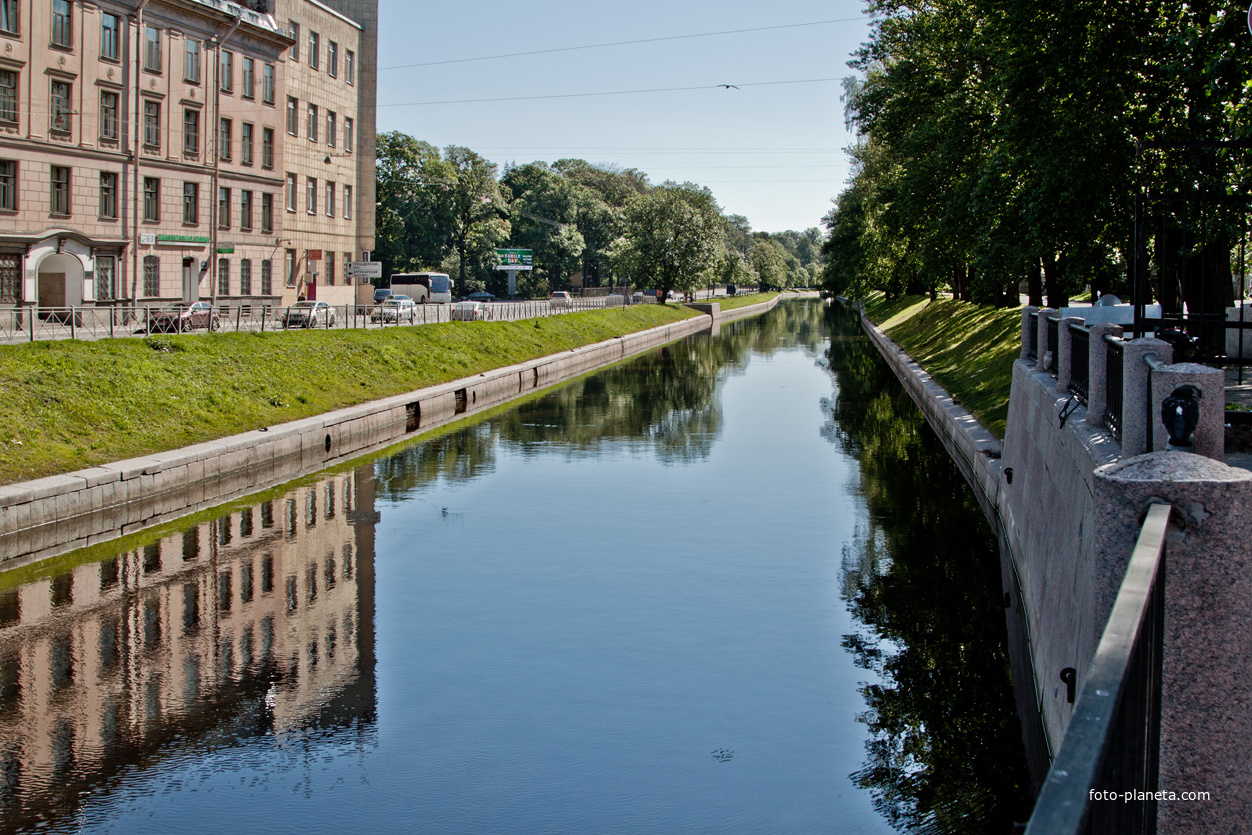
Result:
468,312
561,298
396,309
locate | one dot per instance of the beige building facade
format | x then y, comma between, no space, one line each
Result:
322,192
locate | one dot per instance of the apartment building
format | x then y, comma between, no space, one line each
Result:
323,223
141,151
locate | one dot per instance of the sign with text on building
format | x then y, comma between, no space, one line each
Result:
147,238
315,255
514,259
182,239
364,269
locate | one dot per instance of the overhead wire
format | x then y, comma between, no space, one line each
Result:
607,93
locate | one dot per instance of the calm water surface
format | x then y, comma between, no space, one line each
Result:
693,593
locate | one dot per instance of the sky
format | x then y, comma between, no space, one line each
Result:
773,152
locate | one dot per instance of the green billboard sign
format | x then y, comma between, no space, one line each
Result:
514,259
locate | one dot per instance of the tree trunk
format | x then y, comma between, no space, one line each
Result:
1034,285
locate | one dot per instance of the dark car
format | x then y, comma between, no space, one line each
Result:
382,294
480,296
309,314
181,318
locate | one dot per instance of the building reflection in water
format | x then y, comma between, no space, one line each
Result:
259,621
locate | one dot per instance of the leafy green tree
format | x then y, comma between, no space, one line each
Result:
770,263
673,239
479,209
414,219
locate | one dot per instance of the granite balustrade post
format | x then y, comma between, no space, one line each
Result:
1210,433
1097,371
1136,430
1026,328
1206,671
1041,336
1064,348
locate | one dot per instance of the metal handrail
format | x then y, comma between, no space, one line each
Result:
1112,744
1032,338
1053,341
1113,385
1079,361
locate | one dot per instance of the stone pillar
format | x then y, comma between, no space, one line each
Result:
1041,345
1206,674
1064,347
1136,430
1097,373
1210,434
1233,314
1026,311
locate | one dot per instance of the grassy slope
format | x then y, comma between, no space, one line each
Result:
69,405
730,303
968,349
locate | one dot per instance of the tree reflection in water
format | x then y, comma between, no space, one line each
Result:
945,753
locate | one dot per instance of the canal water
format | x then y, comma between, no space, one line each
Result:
732,586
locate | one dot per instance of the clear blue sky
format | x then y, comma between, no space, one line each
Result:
772,153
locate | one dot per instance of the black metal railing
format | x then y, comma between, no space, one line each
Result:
1053,333
1079,361
1106,770
1113,386
1032,338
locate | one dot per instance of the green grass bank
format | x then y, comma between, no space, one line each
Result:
68,405
968,349
732,302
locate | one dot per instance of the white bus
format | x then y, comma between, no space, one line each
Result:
423,288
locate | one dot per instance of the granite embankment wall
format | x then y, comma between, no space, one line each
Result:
1067,507
53,515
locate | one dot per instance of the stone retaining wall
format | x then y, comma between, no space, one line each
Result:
53,515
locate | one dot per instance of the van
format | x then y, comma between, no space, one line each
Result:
423,288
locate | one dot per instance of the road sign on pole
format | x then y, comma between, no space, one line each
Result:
364,270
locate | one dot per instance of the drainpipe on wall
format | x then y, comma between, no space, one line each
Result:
134,160
216,126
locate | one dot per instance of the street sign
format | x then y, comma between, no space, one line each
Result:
315,255
364,269
147,238
514,259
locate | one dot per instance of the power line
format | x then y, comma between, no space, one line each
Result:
620,43
606,93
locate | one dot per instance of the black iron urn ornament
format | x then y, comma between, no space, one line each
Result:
1181,413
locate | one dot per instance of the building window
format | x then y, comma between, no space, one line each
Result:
151,49
8,185
348,139
8,96
61,95
223,139
108,195
62,24
226,77
267,147
312,122
293,192
293,29
349,66
108,116
245,144
151,275
330,269
331,128
289,267
191,132
59,204
293,116
314,50
106,272
191,204
331,190
267,213
245,210
245,277
152,124
151,198
223,276
191,63
223,208
268,84
249,79
332,59
8,17
110,32
312,196
347,202
267,278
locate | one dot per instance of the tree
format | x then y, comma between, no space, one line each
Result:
770,263
544,211
414,219
478,208
673,239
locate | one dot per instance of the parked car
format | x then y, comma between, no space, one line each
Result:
309,314
561,298
637,298
480,296
382,294
180,318
395,309
468,312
